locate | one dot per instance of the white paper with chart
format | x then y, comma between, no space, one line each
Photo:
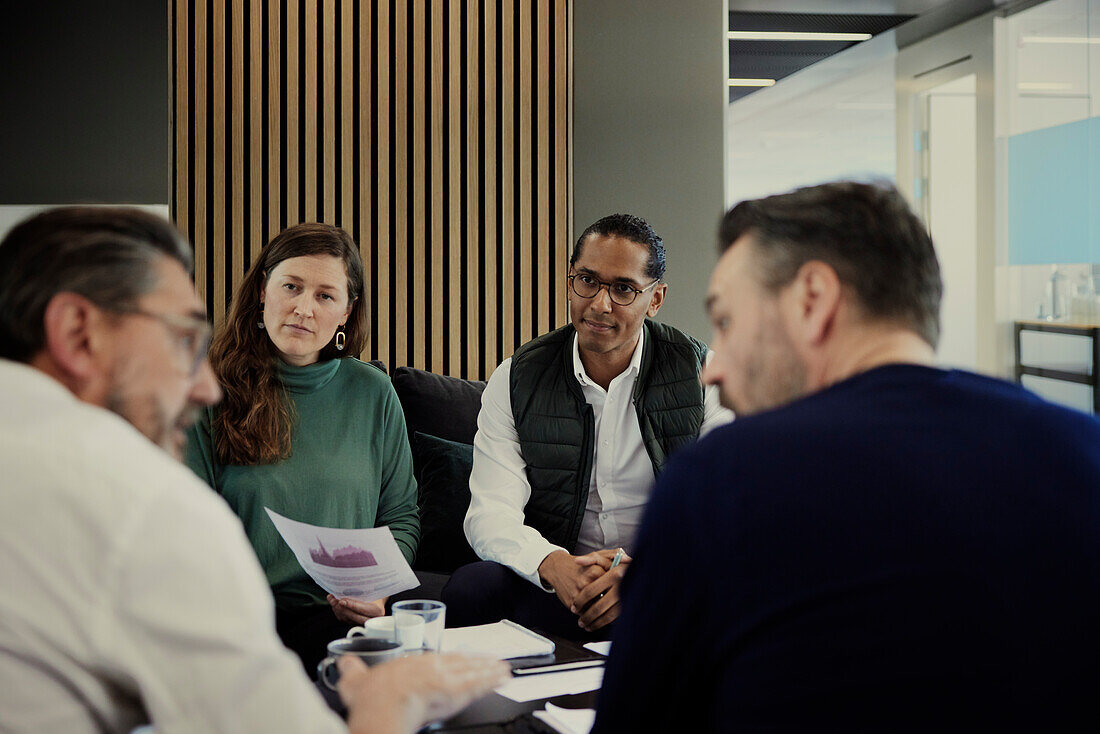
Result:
362,564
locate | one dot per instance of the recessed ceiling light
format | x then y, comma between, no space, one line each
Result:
795,36
1044,86
864,105
791,134
1059,39
751,82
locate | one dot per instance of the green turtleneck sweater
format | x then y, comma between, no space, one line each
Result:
350,467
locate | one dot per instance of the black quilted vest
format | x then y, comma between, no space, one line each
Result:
557,430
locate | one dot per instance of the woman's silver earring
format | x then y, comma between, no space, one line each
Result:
341,338
260,324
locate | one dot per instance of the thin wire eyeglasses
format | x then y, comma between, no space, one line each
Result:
622,294
195,334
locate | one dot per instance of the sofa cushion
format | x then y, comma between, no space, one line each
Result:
444,497
438,405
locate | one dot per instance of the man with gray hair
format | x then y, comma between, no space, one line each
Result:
131,594
875,544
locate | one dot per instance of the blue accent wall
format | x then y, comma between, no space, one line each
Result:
1053,212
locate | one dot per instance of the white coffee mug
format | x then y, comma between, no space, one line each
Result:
410,631
380,628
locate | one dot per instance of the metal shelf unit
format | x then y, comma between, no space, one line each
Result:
1091,331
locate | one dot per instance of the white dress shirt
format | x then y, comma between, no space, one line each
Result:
620,485
130,593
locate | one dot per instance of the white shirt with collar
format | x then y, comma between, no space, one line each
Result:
618,490
130,592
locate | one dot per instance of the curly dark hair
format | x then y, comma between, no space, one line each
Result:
634,229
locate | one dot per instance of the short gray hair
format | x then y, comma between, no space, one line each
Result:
105,254
866,232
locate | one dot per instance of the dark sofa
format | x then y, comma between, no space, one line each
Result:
441,416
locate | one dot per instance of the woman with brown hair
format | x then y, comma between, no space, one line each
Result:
304,428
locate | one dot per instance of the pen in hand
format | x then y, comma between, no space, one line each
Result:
618,558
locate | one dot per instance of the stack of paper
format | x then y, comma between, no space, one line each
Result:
502,640
548,685
600,648
568,721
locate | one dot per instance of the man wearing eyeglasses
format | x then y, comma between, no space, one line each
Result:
572,430
130,593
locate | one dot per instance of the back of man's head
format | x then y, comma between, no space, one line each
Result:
880,250
105,254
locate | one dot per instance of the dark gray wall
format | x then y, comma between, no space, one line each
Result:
648,130
84,102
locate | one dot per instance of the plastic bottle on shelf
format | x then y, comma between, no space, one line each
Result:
1057,295
1082,307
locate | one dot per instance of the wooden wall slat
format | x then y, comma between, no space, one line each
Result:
439,186
346,219
328,139
274,120
473,186
309,112
509,322
217,179
197,230
436,133
290,114
400,284
454,186
238,183
254,60
545,317
384,191
418,270
526,225
365,153
489,290
182,92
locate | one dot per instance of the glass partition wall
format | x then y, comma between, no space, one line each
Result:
1048,180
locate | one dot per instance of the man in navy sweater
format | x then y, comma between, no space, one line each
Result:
875,543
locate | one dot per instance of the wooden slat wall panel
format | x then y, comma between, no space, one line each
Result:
436,132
